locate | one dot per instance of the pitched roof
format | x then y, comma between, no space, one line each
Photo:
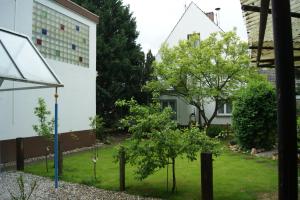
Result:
186,10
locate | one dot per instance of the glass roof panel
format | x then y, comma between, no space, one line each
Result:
7,67
26,58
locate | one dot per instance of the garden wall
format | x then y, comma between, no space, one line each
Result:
36,146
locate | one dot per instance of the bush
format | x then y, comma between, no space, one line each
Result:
218,131
254,116
214,130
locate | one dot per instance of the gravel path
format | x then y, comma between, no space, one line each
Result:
67,191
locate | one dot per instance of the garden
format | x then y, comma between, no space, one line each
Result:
236,175
163,159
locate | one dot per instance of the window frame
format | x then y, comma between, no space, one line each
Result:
225,105
168,101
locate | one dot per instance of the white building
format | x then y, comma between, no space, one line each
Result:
193,20
65,34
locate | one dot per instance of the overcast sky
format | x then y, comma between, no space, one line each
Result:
156,18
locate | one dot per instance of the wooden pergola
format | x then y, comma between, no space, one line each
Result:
273,28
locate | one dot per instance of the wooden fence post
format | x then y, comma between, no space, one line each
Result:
20,153
122,169
206,176
60,157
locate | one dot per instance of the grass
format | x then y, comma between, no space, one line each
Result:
236,176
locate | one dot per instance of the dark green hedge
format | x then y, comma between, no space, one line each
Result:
254,116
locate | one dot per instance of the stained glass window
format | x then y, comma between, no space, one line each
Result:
60,37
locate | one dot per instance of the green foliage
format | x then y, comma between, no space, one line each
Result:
209,71
298,132
97,126
46,126
120,60
156,141
22,194
254,116
147,77
219,131
214,130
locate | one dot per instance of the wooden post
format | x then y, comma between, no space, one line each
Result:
60,157
206,176
122,169
20,154
1,162
286,100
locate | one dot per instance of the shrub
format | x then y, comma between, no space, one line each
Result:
254,116
218,131
214,130
298,132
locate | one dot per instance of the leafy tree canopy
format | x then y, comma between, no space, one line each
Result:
156,141
205,71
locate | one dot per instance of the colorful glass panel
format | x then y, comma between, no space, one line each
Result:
56,38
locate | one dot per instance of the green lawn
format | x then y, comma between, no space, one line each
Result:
236,176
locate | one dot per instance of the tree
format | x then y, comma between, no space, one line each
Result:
254,116
45,126
120,59
148,68
147,76
203,72
156,141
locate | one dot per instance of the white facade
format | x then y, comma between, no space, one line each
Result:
77,99
194,20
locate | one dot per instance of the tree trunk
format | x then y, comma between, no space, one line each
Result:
174,178
199,118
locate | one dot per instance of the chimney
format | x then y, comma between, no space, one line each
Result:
211,16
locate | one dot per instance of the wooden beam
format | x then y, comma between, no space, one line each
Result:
270,48
262,27
257,9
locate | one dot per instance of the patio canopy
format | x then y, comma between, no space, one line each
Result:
20,61
274,37
258,19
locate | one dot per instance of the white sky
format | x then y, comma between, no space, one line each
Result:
156,18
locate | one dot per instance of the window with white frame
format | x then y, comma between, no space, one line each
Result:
225,108
197,42
170,103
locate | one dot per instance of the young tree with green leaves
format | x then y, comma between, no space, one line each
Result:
45,126
203,72
120,59
156,141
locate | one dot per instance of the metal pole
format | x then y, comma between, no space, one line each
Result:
56,141
286,116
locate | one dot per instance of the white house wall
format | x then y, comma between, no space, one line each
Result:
77,100
194,20
184,110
